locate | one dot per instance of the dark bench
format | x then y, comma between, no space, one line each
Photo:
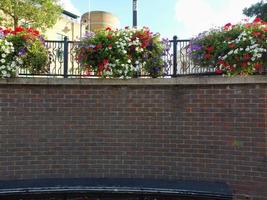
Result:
186,189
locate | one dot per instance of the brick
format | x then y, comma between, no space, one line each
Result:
207,132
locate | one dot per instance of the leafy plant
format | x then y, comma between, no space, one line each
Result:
29,46
41,14
121,53
258,9
9,62
233,49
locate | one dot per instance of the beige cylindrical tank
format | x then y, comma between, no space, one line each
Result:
96,20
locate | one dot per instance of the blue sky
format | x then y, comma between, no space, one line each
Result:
184,18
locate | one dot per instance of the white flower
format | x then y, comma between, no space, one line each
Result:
2,60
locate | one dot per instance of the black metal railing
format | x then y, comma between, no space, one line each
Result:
62,62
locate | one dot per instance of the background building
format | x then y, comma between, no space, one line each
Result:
96,20
74,26
67,25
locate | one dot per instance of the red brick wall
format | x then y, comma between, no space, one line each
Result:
162,132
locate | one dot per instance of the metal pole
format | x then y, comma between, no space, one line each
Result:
66,56
134,13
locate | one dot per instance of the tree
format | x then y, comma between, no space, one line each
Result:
40,14
259,10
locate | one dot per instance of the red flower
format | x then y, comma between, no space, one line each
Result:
36,33
222,63
105,62
126,27
19,29
207,56
248,25
33,31
218,71
256,34
258,65
232,45
109,36
110,46
99,46
257,20
144,45
108,29
244,64
227,26
246,57
7,31
100,67
210,49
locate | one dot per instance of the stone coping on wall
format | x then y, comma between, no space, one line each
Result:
201,80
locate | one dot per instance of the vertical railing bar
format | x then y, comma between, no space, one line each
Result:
175,56
66,57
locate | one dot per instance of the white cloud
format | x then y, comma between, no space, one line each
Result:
68,6
195,16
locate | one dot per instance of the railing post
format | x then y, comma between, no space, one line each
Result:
175,42
66,56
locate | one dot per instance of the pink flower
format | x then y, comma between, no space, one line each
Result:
227,26
232,45
218,71
256,34
207,56
210,49
257,20
105,62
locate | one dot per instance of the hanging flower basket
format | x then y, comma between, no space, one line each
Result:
122,53
233,49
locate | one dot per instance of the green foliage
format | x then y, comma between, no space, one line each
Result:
29,46
259,10
9,62
40,14
233,50
122,53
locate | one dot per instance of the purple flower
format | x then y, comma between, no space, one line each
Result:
2,35
89,35
41,38
167,45
195,47
22,51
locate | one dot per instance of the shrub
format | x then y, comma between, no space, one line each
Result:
233,49
29,46
9,62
